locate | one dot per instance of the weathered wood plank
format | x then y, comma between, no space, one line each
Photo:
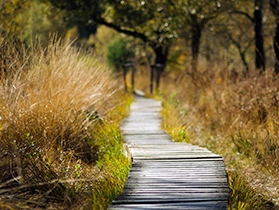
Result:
208,160
166,174
189,197
172,185
184,206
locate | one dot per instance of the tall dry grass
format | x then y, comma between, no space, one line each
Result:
51,103
232,114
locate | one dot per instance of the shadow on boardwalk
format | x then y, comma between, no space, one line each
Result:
166,174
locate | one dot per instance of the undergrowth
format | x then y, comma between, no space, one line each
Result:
60,147
233,115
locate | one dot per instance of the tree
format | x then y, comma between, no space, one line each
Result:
241,41
259,41
153,22
119,54
9,24
11,46
42,20
274,5
237,30
257,21
197,14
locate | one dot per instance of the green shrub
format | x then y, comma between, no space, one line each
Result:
119,54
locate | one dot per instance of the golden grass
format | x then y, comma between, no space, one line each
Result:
51,115
233,115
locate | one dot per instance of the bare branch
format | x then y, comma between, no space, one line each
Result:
244,14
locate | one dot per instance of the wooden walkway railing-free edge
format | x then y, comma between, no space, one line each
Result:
166,174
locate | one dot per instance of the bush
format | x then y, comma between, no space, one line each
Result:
119,54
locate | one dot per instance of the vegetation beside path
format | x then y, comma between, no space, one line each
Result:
236,117
60,144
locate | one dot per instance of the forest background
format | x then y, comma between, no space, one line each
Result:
219,85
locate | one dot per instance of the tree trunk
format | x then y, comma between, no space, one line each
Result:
259,51
195,44
276,48
161,54
275,9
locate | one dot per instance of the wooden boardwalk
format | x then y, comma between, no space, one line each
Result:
166,174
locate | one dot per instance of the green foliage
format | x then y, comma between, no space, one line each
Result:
113,164
10,23
27,20
204,25
156,20
42,20
119,54
180,134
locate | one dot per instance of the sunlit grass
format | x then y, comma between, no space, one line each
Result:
235,116
241,197
59,140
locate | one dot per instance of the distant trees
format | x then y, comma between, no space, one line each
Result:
119,54
22,22
8,11
11,46
259,39
239,34
257,20
30,19
153,22
274,5
196,15
156,23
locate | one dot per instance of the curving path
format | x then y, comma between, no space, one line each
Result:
166,174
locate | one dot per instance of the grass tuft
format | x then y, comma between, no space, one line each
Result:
235,116
58,135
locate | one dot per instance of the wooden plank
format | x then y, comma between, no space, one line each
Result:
179,168
193,186
158,157
148,137
209,160
167,174
174,191
184,206
172,185
203,162
189,197
181,176
152,132
165,150
151,139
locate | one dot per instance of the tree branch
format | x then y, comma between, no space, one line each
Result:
244,14
133,33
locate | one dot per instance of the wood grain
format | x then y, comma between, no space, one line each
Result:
167,174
